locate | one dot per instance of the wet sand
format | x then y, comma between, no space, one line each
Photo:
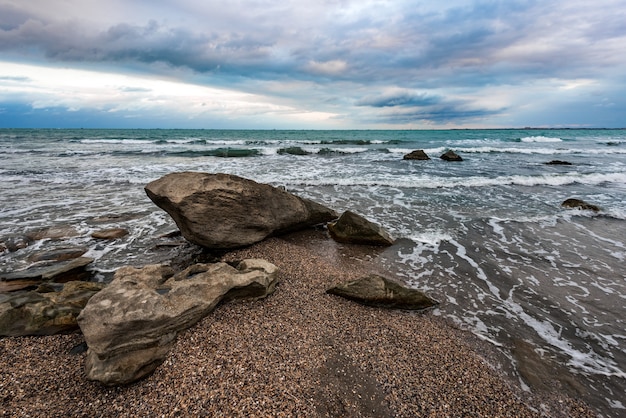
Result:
300,352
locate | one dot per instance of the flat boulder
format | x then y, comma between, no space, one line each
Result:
130,326
451,156
352,228
45,311
416,155
374,290
110,234
579,204
222,211
58,272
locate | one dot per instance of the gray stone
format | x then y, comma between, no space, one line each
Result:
379,291
222,211
352,228
52,312
131,325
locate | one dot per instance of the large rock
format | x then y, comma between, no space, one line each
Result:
416,155
58,272
131,325
379,291
451,156
579,204
224,211
352,228
44,312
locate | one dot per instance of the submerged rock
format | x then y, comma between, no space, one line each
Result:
110,234
379,291
44,312
131,325
223,211
416,155
352,228
558,162
451,156
59,254
579,204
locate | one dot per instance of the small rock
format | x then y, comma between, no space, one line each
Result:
379,291
54,232
352,228
60,272
558,162
579,204
14,243
451,156
110,234
416,155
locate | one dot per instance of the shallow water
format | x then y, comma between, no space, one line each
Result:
486,236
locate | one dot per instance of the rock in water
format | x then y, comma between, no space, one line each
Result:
451,156
352,228
131,325
379,291
58,272
38,313
416,155
110,234
222,211
579,204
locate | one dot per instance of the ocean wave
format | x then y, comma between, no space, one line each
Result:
540,139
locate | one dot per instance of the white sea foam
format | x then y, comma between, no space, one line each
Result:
541,139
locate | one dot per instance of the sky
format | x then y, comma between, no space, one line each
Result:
325,64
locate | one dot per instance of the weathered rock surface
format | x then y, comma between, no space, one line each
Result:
379,291
352,228
44,312
110,234
416,155
451,156
59,272
58,254
222,211
54,232
579,204
131,325
13,243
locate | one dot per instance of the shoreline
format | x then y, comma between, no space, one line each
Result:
299,352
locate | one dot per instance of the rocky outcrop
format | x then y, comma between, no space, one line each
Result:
416,155
451,156
59,272
131,325
579,204
45,311
110,234
379,291
352,228
222,211
558,162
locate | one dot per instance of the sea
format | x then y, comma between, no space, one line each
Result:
487,236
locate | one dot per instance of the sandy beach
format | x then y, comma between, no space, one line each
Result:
300,352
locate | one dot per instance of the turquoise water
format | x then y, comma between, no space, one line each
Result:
486,236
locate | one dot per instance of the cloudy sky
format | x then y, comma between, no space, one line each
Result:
325,64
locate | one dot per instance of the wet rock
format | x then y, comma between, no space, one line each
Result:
379,291
59,254
146,308
110,234
34,313
54,232
14,242
558,162
222,211
579,204
352,228
116,218
60,272
416,155
451,156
